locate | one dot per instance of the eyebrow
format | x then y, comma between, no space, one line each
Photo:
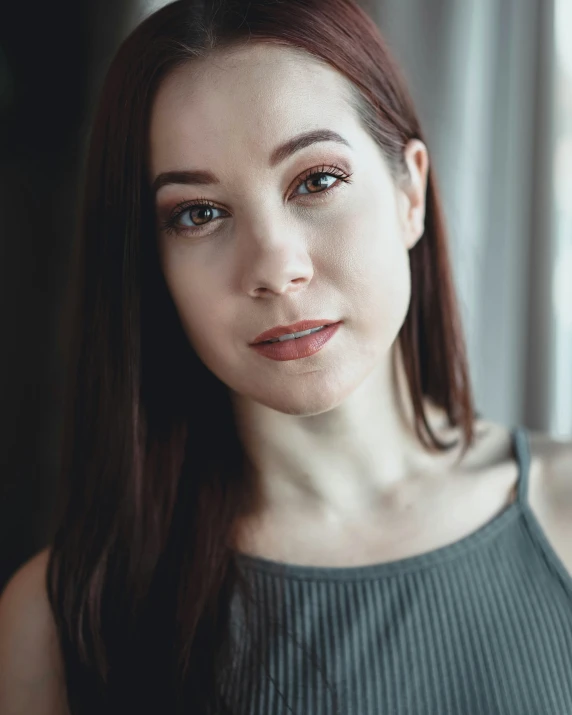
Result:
282,152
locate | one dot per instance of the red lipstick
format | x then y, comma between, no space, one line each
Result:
295,348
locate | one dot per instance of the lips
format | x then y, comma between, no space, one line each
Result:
280,330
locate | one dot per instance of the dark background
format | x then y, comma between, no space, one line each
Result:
52,60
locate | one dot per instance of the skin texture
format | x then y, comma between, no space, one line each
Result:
275,253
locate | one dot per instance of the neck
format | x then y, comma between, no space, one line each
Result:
341,461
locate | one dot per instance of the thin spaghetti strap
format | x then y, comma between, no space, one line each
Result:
521,451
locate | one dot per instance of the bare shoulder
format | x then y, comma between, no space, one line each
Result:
31,672
550,493
552,459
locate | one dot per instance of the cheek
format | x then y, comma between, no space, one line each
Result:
388,293
375,267
372,252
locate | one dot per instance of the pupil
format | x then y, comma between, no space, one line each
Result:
201,212
320,182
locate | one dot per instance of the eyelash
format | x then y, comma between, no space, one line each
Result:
171,226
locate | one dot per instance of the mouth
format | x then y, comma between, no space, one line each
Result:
281,333
299,345
292,336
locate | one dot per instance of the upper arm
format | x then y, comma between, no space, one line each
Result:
561,476
31,669
561,499
551,494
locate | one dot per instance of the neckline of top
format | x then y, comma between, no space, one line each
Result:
426,559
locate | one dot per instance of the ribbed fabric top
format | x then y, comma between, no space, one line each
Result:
482,626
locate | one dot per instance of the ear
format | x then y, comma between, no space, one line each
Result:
412,191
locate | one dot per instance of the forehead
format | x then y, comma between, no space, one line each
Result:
245,99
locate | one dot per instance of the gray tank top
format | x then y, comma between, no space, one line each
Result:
482,626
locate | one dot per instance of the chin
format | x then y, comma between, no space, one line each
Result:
303,395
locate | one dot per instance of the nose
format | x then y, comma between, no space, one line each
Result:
275,261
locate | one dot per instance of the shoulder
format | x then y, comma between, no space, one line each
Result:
31,672
552,469
550,491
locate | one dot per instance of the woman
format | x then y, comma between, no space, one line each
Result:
256,518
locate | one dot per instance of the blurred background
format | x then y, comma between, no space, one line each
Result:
492,80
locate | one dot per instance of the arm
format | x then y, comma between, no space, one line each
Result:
551,492
559,500
31,669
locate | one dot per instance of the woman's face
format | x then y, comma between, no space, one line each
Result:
277,245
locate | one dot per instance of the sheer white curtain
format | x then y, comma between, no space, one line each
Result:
562,293
482,73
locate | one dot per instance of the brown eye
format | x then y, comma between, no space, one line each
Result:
319,181
196,216
191,217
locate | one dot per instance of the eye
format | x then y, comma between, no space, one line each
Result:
201,213
192,216
322,179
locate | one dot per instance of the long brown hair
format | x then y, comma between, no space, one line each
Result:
141,574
